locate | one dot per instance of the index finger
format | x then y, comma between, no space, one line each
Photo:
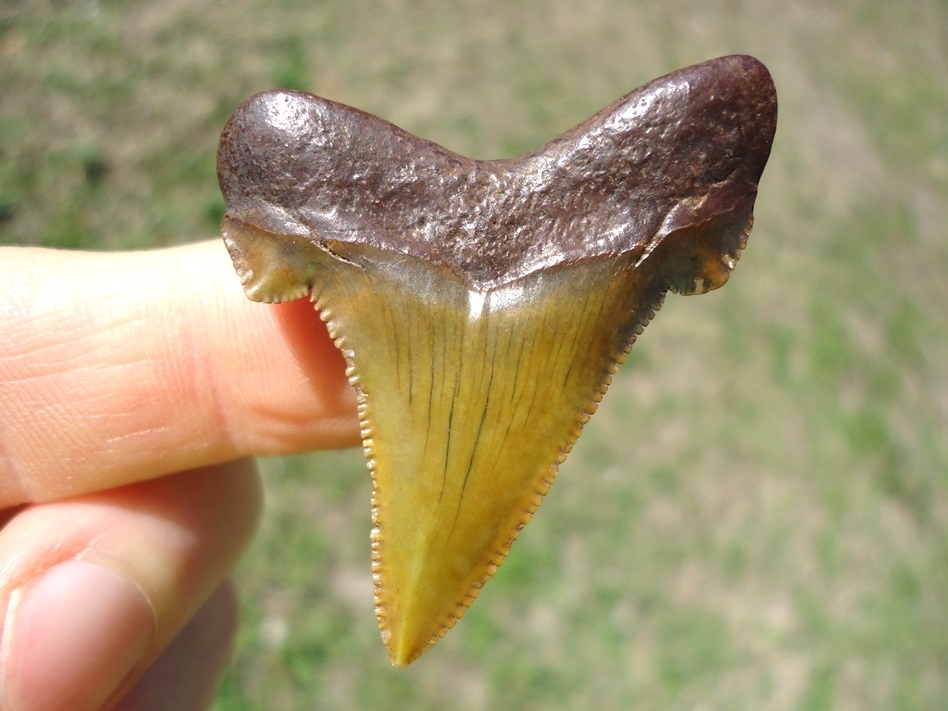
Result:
119,367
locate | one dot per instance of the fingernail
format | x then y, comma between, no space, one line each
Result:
70,636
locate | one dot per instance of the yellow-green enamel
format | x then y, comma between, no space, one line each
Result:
469,401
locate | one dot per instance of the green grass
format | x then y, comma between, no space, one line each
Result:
757,517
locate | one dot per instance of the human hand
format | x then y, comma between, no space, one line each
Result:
132,388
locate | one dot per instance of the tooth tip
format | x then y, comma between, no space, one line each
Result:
412,636
404,655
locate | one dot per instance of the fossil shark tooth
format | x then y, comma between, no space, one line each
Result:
483,306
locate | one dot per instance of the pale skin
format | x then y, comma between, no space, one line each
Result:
134,388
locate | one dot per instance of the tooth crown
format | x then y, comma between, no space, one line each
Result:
483,306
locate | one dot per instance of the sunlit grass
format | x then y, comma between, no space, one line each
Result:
758,515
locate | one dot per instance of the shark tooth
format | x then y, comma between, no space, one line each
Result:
483,306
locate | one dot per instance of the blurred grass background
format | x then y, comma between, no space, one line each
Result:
757,517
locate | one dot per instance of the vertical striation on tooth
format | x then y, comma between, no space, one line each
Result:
483,307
